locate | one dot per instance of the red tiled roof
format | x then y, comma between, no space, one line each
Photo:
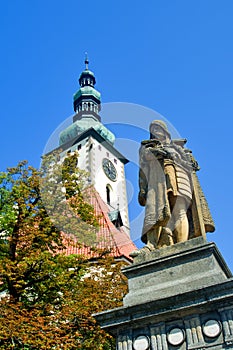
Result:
110,238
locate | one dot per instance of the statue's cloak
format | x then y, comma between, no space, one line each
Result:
156,178
153,187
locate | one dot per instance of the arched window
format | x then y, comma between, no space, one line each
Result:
108,194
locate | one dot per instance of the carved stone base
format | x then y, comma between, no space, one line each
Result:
174,270
180,297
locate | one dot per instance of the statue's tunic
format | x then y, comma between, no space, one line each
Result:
177,180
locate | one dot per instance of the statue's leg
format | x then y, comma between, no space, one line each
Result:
180,219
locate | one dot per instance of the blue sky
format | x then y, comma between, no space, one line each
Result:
173,56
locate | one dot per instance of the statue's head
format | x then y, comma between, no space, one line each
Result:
159,131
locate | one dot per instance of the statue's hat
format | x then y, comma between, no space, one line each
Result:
162,124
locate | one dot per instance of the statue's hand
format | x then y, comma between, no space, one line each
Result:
170,154
142,198
155,152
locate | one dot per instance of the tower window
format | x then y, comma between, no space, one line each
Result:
115,160
99,147
79,147
107,154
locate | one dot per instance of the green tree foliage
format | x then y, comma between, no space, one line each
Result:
64,190
47,298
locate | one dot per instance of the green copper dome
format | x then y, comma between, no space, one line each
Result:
87,77
87,104
87,97
82,125
87,91
86,72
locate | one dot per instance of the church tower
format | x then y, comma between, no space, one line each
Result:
95,145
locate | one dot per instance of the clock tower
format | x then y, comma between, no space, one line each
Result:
97,154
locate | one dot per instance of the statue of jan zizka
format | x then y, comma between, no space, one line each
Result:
175,207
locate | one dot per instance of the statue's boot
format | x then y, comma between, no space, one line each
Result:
166,238
145,250
152,241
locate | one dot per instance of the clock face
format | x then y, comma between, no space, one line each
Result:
109,169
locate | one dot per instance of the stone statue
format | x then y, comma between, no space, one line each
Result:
175,207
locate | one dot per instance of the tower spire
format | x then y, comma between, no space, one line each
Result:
86,61
87,98
87,78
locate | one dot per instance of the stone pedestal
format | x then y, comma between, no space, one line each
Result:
180,297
